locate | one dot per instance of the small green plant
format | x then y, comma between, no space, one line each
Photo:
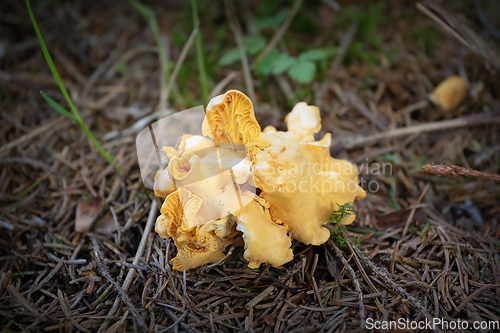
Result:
301,68
425,229
342,212
253,45
336,217
393,158
337,237
368,41
271,20
418,161
357,241
55,105
427,38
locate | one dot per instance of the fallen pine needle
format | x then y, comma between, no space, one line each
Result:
454,171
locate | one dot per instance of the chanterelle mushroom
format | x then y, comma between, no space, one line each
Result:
449,93
211,183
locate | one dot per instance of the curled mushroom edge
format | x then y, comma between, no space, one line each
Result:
240,184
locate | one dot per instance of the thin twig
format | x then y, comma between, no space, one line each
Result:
180,61
131,273
413,210
235,27
355,281
445,26
123,296
222,84
461,32
199,54
484,20
345,42
476,120
49,128
281,31
391,283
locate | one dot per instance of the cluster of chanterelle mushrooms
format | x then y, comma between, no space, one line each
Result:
237,183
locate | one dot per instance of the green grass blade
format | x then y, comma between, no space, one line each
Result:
199,54
370,231
489,307
326,296
56,106
53,69
485,267
150,17
33,186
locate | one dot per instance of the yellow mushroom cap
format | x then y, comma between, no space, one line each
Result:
164,184
299,178
293,186
449,93
265,240
303,122
230,118
197,245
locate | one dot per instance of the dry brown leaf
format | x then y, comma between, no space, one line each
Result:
87,212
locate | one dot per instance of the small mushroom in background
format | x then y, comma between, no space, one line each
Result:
449,93
212,180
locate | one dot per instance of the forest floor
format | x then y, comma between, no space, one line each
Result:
422,246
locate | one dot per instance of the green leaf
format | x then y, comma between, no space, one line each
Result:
264,66
230,57
474,146
283,63
302,71
419,161
56,106
253,44
394,158
272,21
122,68
318,54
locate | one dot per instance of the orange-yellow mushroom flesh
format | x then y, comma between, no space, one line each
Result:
212,181
449,93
